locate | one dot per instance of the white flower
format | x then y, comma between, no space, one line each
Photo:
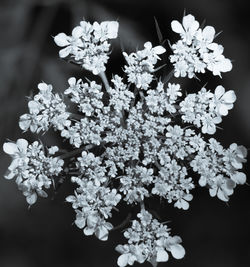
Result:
187,30
141,65
182,203
196,51
222,187
32,168
223,100
88,45
105,30
71,43
216,62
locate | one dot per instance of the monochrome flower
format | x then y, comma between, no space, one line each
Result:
89,45
136,138
32,169
148,240
141,65
196,51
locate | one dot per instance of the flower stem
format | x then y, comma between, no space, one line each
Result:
142,205
123,223
75,152
104,80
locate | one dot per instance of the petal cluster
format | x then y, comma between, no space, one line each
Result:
89,44
196,51
141,64
148,240
32,169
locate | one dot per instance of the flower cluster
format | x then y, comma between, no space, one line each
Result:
148,240
132,138
219,168
141,65
45,110
93,200
87,96
205,109
159,100
196,51
88,45
32,169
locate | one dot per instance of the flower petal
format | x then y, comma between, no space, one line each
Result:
159,50
208,33
72,81
229,97
112,28
77,32
239,178
219,91
61,39
65,52
22,145
10,148
162,255
31,199
176,26
102,233
123,260
177,251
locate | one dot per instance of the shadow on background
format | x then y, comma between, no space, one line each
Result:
213,234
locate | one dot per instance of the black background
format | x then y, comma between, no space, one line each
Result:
214,234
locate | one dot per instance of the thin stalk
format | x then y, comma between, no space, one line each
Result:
104,80
169,76
142,205
75,152
123,223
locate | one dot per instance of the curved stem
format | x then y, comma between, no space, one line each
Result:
123,223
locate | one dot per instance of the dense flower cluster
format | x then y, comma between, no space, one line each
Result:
88,45
141,65
137,137
196,51
218,168
45,110
205,109
32,169
148,240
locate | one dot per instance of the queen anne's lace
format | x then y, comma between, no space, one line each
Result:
141,65
148,240
89,45
137,137
196,51
32,169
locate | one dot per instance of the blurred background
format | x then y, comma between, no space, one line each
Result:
214,234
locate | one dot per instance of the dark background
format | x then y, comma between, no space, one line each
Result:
214,234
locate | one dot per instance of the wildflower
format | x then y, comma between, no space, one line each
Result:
45,110
187,30
32,168
148,240
141,65
197,51
223,100
89,45
93,204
